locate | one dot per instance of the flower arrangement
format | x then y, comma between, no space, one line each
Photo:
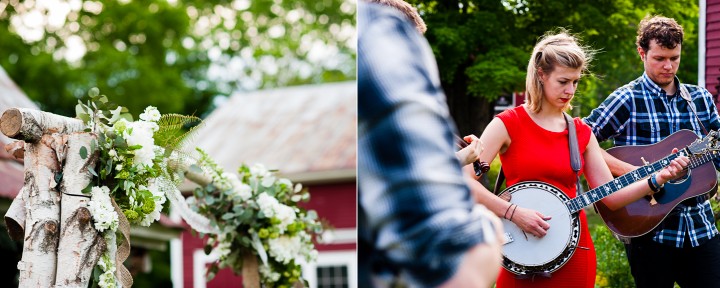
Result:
257,212
253,212
130,168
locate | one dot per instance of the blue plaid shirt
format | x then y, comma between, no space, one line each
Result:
415,212
640,113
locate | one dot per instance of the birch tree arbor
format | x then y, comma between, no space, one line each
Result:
50,205
88,179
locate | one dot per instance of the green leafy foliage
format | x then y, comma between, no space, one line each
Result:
257,214
174,55
613,269
482,47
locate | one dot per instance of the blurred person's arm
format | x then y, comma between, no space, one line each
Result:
415,203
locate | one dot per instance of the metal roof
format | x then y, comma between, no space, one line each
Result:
306,132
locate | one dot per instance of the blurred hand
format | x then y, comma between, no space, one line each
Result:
481,264
470,153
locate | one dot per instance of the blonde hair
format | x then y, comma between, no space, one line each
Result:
553,50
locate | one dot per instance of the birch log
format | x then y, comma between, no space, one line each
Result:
80,244
37,266
30,125
15,216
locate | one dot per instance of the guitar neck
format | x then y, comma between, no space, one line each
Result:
625,180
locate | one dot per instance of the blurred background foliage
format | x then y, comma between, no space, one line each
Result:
176,55
482,46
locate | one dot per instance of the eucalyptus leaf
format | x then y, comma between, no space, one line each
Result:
83,152
92,171
94,92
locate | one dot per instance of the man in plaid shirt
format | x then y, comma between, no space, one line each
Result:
685,247
417,221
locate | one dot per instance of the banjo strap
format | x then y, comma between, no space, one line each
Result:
575,161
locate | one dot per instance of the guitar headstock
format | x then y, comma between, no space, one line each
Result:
709,143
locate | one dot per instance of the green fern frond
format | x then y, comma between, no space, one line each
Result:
176,130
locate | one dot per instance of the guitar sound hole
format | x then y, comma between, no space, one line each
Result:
681,179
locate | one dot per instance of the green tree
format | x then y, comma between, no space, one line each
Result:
176,55
482,47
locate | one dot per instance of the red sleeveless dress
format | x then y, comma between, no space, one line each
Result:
541,155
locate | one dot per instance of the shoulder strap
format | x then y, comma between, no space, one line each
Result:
575,161
685,94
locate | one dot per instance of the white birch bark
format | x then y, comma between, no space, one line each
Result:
80,244
37,266
15,217
30,125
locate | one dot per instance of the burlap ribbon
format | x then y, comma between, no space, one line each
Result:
123,251
250,272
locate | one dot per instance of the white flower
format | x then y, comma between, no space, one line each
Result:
118,167
286,215
112,153
285,248
159,198
267,204
151,114
141,133
239,188
259,170
244,191
102,210
223,249
269,274
107,280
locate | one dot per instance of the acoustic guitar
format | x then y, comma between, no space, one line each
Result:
643,215
524,254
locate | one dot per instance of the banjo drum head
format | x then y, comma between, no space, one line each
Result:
525,253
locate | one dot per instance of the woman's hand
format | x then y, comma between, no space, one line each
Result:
470,153
530,221
675,170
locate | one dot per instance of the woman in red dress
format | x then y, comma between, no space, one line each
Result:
532,140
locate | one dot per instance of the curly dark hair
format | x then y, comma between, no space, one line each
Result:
665,31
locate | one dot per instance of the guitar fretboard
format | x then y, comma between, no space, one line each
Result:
618,183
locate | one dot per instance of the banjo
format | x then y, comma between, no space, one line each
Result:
524,254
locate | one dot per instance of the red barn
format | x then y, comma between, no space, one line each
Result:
309,134
709,46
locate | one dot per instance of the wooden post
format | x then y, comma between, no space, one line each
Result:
37,266
80,244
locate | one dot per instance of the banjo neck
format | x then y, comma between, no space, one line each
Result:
602,191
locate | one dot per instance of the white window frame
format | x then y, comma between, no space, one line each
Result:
347,258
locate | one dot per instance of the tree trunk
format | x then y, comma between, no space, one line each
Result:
38,264
80,244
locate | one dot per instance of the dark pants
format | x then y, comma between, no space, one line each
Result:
655,265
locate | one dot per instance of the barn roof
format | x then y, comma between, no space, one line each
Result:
11,170
306,132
